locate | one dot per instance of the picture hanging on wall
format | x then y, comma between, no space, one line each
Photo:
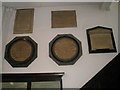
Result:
65,49
62,19
21,51
23,21
101,40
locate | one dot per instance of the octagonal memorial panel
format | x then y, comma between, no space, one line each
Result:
21,51
65,49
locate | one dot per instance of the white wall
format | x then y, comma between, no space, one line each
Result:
0,42
89,64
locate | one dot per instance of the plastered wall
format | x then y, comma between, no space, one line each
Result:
88,64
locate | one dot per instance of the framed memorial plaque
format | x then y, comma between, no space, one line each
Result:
21,51
24,21
101,40
65,49
62,19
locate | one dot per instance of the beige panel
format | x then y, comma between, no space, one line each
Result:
14,85
24,21
21,50
61,19
49,85
65,48
99,31
101,39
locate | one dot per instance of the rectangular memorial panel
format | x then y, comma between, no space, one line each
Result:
24,21
62,19
101,40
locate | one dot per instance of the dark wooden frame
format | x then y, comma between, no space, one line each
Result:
100,50
26,62
61,61
32,77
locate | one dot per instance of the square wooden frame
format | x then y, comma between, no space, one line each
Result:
100,50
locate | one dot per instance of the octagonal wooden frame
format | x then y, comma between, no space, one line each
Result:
61,61
27,61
